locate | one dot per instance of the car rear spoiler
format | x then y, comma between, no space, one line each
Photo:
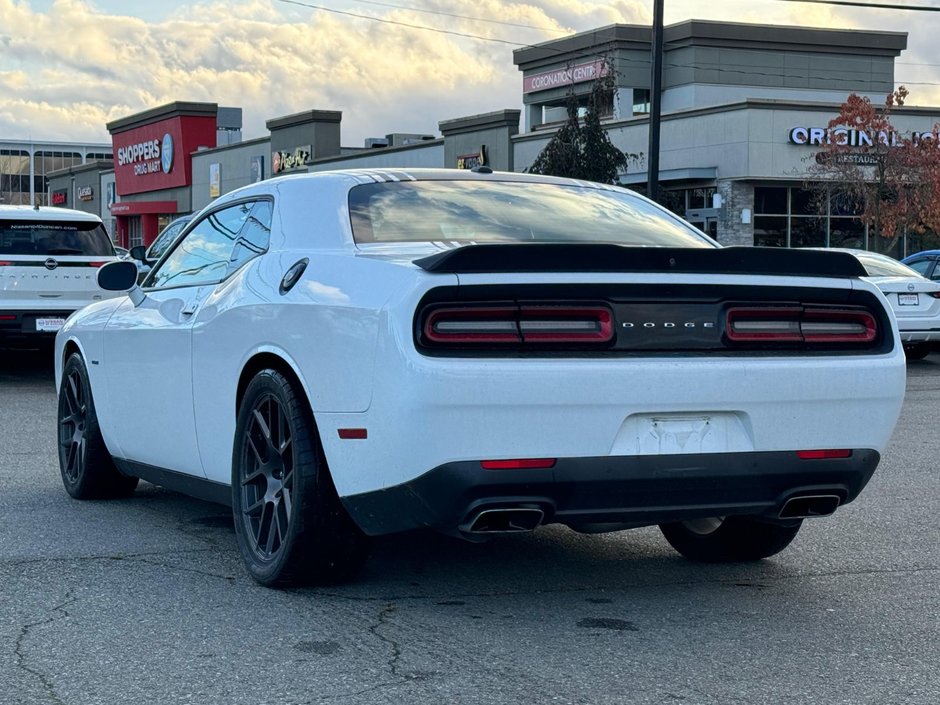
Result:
577,257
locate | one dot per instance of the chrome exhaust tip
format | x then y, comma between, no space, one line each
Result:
810,506
508,520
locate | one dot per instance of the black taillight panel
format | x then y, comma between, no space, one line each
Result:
637,320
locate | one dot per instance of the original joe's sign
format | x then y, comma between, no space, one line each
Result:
282,161
576,73
821,136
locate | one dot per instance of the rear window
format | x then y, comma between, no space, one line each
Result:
494,211
881,266
32,237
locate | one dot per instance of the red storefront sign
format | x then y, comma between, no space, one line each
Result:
157,156
143,207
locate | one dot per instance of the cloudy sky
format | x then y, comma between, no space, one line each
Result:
69,66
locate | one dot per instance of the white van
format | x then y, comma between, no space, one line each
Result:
49,259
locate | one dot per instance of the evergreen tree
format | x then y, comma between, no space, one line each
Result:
582,150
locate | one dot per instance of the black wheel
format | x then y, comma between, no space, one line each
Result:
718,540
917,351
88,472
290,525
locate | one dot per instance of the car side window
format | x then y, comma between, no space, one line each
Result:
921,266
254,237
203,255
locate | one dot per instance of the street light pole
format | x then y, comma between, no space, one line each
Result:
656,89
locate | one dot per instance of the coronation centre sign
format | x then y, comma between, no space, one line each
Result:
577,73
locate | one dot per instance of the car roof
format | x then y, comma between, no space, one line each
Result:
45,213
923,253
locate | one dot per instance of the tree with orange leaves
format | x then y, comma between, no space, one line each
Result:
890,180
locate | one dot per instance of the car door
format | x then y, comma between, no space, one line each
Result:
221,335
148,347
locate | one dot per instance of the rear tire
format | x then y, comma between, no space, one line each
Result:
918,351
729,539
290,525
88,471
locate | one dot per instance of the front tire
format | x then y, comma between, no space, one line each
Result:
86,466
290,525
729,539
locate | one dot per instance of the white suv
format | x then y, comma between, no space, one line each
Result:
49,259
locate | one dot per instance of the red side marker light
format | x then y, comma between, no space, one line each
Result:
353,434
518,464
823,454
7,318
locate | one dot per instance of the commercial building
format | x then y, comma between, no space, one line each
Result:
25,165
745,109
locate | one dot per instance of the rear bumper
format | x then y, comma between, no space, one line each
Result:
20,326
920,335
616,491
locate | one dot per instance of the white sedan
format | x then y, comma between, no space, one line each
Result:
914,299
347,354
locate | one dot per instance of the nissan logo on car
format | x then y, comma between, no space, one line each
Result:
51,264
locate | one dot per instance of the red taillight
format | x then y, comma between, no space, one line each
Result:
795,324
823,454
518,464
934,294
495,324
7,318
555,324
517,325
96,264
4,263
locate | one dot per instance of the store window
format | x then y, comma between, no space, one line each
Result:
797,217
770,230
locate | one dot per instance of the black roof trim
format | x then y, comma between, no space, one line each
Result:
578,257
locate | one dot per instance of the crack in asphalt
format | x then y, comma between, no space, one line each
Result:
18,647
184,569
352,694
393,662
18,562
388,610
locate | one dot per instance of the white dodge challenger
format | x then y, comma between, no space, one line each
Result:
348,354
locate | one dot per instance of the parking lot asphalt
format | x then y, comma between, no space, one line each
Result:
145,600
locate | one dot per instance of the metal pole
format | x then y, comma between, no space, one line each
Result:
656,89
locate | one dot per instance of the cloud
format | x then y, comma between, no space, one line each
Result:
272,59
65,72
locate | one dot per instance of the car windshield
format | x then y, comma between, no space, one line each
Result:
507,211
881,266
45,238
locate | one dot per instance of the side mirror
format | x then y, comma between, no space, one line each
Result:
139,253
118,276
